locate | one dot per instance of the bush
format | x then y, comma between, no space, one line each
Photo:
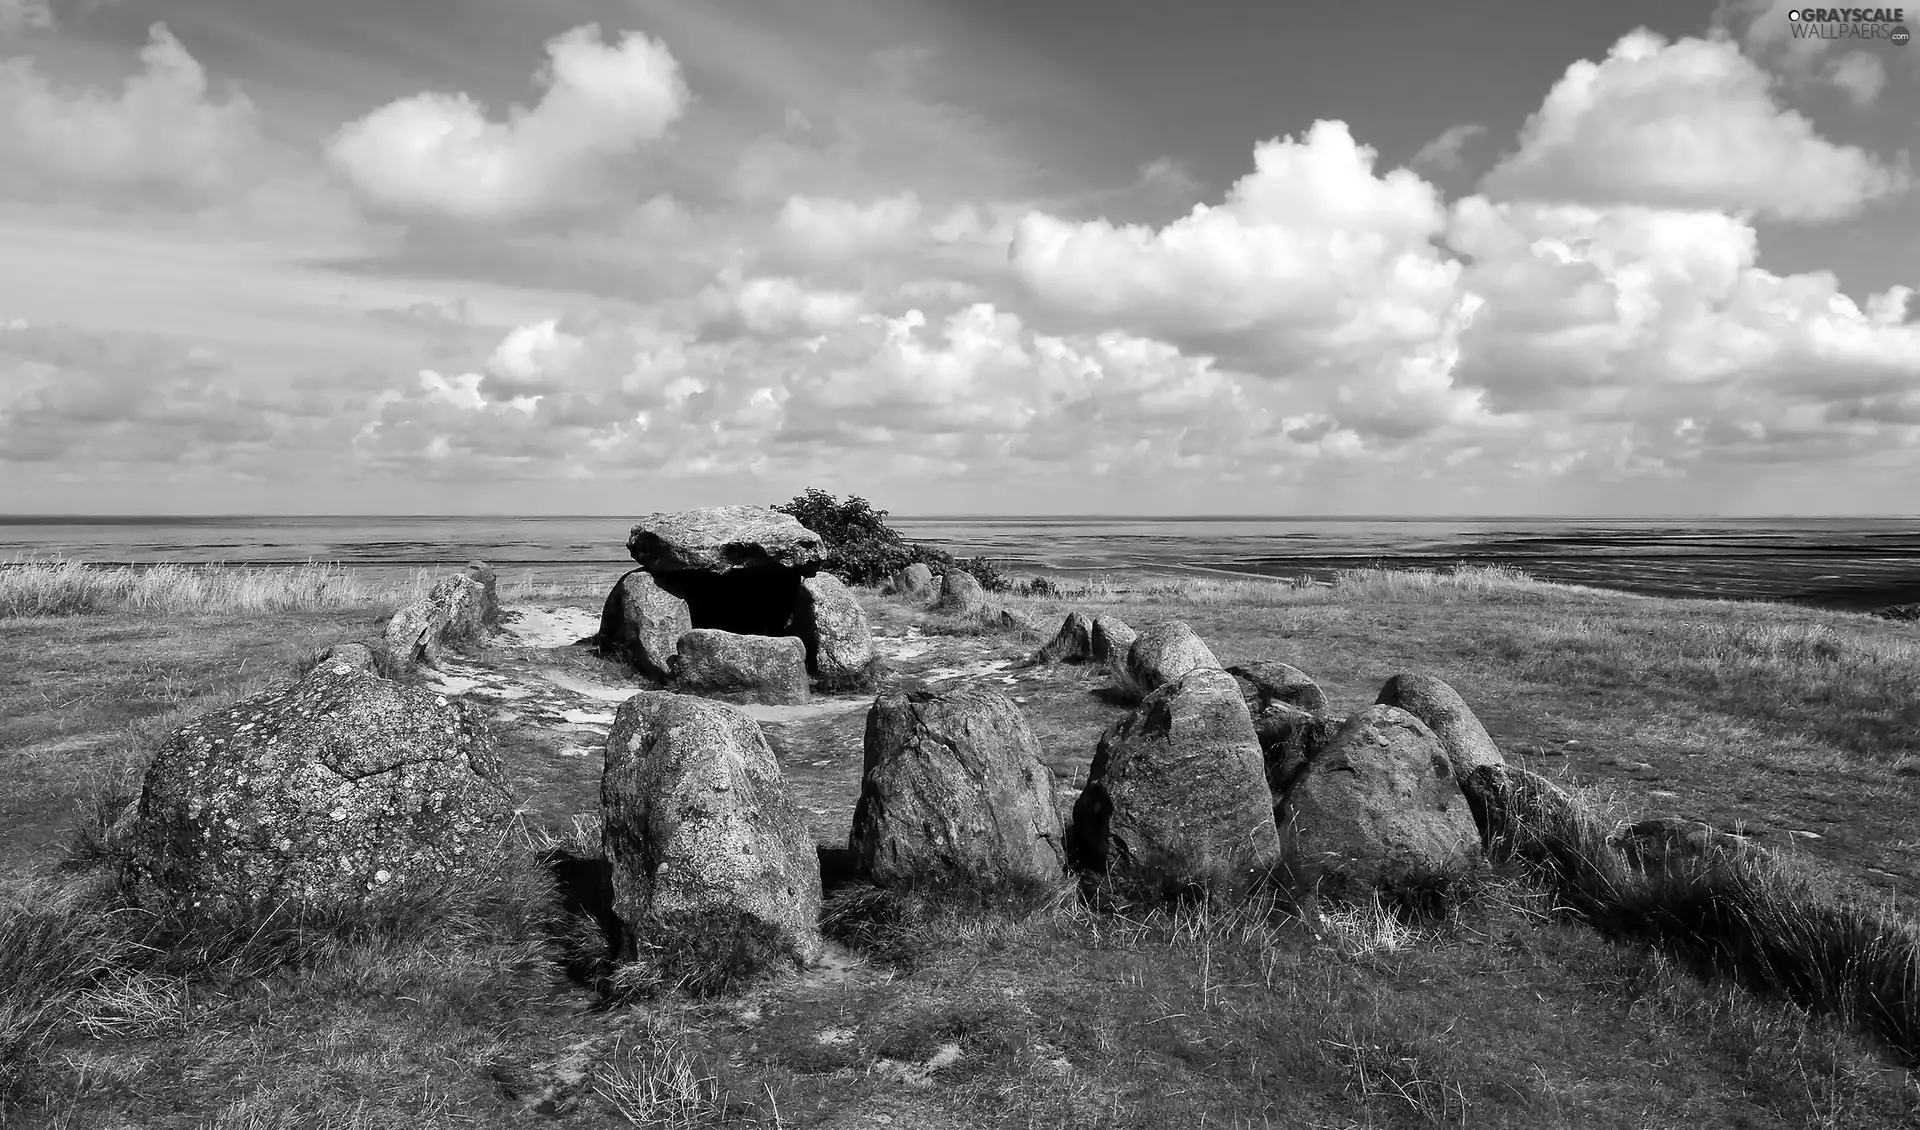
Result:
861,549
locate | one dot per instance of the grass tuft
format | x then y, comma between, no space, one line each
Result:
57,587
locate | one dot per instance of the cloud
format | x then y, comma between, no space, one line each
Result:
440,156
1689,125
1311,254
25,15
829,230
1443,153
1860,75
1766,34
160,134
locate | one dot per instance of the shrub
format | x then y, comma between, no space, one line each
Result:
986,571
861,549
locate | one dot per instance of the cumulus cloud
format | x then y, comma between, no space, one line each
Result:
833,230
1766,34
162,132
441,156
1444,152
1691,124
1311,254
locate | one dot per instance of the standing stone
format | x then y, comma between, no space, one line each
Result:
1289,715
961,594
1013,620
453,611
703,837
1266,683
834,630
642,623
1073,643
1378,808
738,568
488,580
763,669
1111,639
1165,653
340,788
1438,705
1177,795
954,789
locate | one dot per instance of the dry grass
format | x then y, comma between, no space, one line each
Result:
53,587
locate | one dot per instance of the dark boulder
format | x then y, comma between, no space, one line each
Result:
961,594
641,624
1110,639
1378,808
1176,798
763,669
483,574
915,580
338,789
1265,683
705,841
954,790
1073,643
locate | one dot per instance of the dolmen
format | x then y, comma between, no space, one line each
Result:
714,586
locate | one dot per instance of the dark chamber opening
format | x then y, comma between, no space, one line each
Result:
748,602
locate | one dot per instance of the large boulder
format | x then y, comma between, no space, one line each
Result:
641,624
1267,683
1073,643
1163,654
738,568
1438,705
961,594
341,788
488,580
1378,808
763,669
954,789
1177,796
704,840
914,580
834,631
453,611
1110,640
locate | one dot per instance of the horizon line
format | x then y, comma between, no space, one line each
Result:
87,517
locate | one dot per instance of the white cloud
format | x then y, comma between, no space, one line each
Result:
1444,152
161,132
831,230
1691,125
1766,34
777,306
1860,75
437,155
1311,254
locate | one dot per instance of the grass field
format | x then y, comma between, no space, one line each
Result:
1800,727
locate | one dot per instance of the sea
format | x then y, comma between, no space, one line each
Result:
1846,563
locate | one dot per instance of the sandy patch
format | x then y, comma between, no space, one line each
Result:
587,688
802,711
528,626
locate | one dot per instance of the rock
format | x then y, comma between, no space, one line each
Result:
1177,796
1111,639
1664,842
702,834
1378,808
451,612
723,539
1907,613
954,788
483,573
1289,738
914,580
1435,703
1073,643
1266,683
358,656
961,594
1013,620
738,568
834,632
641,624
764,669
340,787
1164,654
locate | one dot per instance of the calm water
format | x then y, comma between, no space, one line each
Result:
1841,562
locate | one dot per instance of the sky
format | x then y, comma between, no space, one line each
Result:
955,256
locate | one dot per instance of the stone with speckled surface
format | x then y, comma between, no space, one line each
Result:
338,786
696,819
